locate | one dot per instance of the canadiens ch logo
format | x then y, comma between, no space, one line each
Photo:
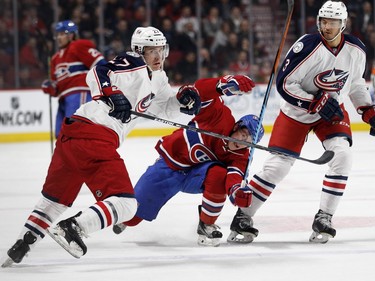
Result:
331,80
199,154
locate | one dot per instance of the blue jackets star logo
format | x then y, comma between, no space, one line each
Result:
331,80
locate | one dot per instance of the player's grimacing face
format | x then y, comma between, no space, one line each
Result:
154,57
240,134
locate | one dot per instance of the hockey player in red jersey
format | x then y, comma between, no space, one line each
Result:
191,162
68,69
318,72
86,148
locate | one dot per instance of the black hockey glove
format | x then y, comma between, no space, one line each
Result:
189,97
120,105
327,107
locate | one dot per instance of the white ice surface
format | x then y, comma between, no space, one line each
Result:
166,248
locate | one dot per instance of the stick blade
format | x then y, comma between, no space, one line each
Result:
325,158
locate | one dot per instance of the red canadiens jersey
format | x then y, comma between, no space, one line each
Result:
185,148
70,65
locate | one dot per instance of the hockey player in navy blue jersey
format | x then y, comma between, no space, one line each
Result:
318,72
86,149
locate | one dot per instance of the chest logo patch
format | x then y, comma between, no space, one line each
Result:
144,103
331,80
199,153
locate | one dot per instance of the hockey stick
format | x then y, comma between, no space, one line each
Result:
269,86
325,158
45,46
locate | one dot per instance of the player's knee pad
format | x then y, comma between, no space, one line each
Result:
276,168
124,208
342,161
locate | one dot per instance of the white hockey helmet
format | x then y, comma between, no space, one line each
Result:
148,36
333,10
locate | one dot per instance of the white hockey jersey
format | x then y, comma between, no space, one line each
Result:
311,65
145,90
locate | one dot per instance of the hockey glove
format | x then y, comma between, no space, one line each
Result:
240,196
49,88
230,85
119,104
189,97
368,116
327,107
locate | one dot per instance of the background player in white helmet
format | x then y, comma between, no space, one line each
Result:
86,149
191,162
68,69
318,72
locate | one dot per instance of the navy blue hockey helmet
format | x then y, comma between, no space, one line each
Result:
66,26
250,122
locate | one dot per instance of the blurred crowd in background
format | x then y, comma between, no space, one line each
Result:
206,38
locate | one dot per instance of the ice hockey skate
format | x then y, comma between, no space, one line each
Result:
208,234
68,235
19,250
242,230
118,228
322,228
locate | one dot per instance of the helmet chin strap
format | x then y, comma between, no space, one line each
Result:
331,40
334,38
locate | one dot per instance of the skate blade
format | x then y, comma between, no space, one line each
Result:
210,242
7,262
317,237
71,248
235,237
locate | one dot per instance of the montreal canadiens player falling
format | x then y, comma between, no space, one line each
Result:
86,149
318,72
191,162
69,67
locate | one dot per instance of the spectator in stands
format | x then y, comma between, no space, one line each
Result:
168,29
187,39
241,66
235,19
226,54
187,17
364,17
221,37
187,68
211,24
30,59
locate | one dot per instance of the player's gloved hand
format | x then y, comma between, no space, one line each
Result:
240,196
189,97
368,116
120,105
327,107
49,88
230,85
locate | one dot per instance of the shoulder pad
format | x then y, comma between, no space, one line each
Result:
133,54
306,43
128,61
82,43
354,40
